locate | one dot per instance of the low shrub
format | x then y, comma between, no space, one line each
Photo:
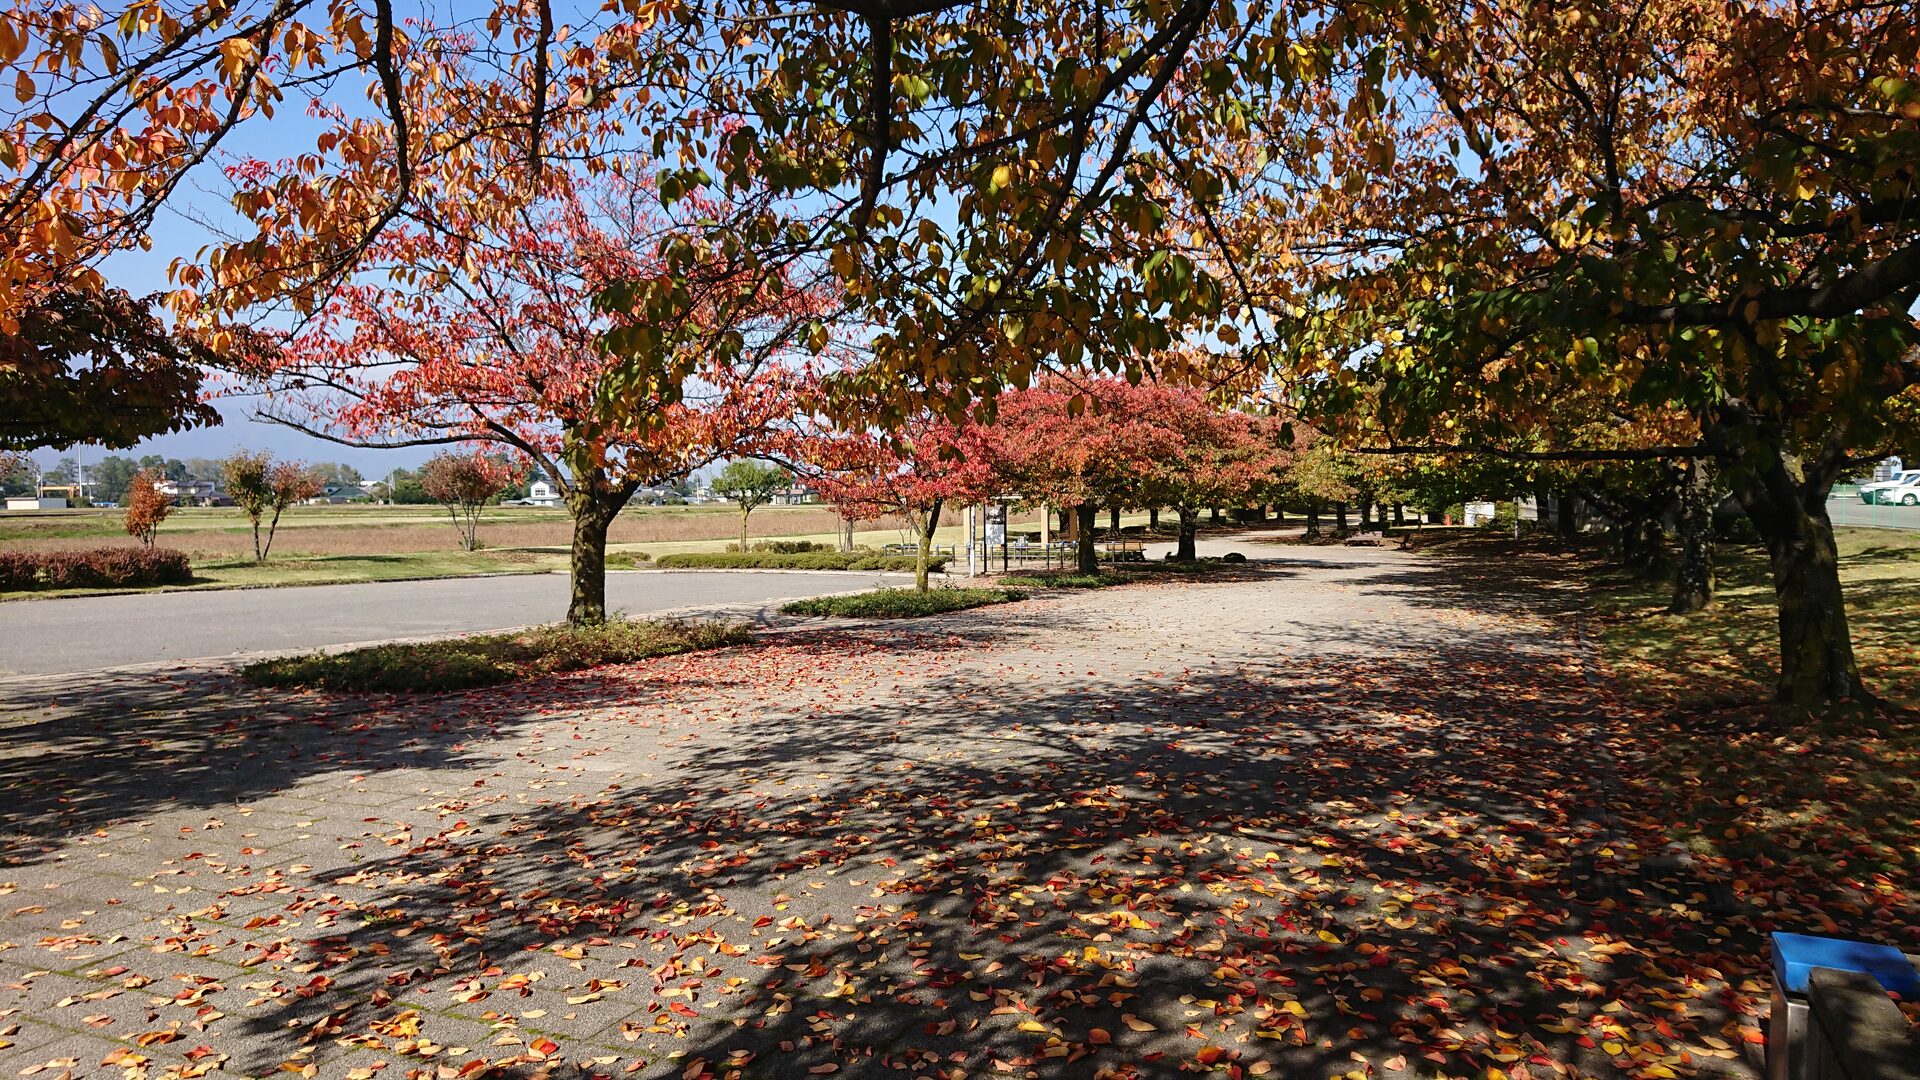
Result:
901,603
1066,580
811,560
489,659
626,560
786,547
99,568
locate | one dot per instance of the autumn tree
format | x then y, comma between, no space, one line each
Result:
468,328
966,182
916,472
1674,207
147,506
465,484
263,489
1084,445
96,367
749,485
1216,456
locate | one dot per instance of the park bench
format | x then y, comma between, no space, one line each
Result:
1832,1018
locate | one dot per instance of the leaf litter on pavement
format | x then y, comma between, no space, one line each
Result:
1032,844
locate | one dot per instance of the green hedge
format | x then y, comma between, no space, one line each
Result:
901,603
812,560
488,659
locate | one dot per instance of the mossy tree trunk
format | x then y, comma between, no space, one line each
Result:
1189,527
1693,580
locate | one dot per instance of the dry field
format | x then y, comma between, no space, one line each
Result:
380,530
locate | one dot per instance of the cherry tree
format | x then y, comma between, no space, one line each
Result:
929,463
464,484
468,327
263,489
147,506
1084,445
1218,457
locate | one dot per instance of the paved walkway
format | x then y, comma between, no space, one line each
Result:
92,632
1342,814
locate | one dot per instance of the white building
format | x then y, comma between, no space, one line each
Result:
189,492
543,493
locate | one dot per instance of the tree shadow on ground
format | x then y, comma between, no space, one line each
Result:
1153,878
79,753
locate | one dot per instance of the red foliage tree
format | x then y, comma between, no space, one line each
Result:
915,472
260,486
493,330
1084,445
464,484
1215,457
147,506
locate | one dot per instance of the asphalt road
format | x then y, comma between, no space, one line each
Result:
89,633
1849,510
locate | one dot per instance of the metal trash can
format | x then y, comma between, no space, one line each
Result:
1794,958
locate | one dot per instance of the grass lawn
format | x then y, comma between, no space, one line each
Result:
1831,796
293,568
901,603
1728,654
489,659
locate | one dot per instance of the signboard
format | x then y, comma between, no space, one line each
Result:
996,525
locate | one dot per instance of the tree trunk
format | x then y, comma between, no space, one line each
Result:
1340,518
744,511
587,604
273,526
1088,557
1313,519
1652,545
1785,496
1213,516
1816,649
1366,514
1189,525
1066,523
1693,580
846,534
1113,521
928,523
1399,516
1153,519
1567,526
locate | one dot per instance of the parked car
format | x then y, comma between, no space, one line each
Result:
1870,493
1907,494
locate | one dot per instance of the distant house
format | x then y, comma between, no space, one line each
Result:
337,491
543,493
190,492
36,502
795,495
